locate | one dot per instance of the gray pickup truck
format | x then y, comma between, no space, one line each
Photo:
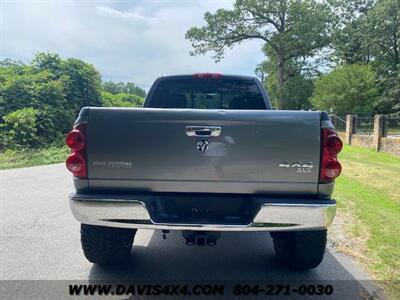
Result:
205,154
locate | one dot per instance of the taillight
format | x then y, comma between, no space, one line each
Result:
75,140
76,162
331,146
76,165
331,142
331,169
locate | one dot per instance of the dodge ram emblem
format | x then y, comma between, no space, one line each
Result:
202,145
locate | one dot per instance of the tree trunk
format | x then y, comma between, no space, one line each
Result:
281,79
396,52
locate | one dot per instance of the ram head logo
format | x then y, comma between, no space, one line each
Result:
202,145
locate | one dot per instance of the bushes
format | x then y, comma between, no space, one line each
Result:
19,129
347,89
40,101
121,99
120,87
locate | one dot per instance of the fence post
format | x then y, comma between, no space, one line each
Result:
333,119
378,131
349,128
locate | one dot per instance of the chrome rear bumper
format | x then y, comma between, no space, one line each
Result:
131,212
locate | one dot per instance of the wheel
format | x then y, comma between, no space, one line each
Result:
106,245
300,250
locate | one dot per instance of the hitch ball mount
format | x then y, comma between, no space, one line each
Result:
201,238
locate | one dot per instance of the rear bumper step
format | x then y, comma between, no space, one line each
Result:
273,214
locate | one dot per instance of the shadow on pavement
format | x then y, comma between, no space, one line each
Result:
237,258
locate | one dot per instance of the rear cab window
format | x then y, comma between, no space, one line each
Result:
206,93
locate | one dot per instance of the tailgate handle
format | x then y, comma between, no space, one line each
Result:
203,131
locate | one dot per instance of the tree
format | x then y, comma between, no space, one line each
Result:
19,129
84,84
389,102
47,61
10,63
131,88
57,88
298,87
384,29
352,43
298,90
347,89
120,87
289,28
39,102
120,99
370,33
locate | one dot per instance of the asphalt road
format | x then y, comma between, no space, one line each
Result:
40,240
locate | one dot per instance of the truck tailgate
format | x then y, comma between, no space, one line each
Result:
148,149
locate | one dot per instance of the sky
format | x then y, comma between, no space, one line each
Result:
134,41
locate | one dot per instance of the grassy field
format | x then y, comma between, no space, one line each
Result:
368,195
27,158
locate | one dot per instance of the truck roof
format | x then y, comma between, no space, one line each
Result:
209,75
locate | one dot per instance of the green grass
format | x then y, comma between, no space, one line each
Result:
369,192
27,158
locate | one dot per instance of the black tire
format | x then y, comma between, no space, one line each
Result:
300,250
106,245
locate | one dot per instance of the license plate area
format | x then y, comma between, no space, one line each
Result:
194,209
